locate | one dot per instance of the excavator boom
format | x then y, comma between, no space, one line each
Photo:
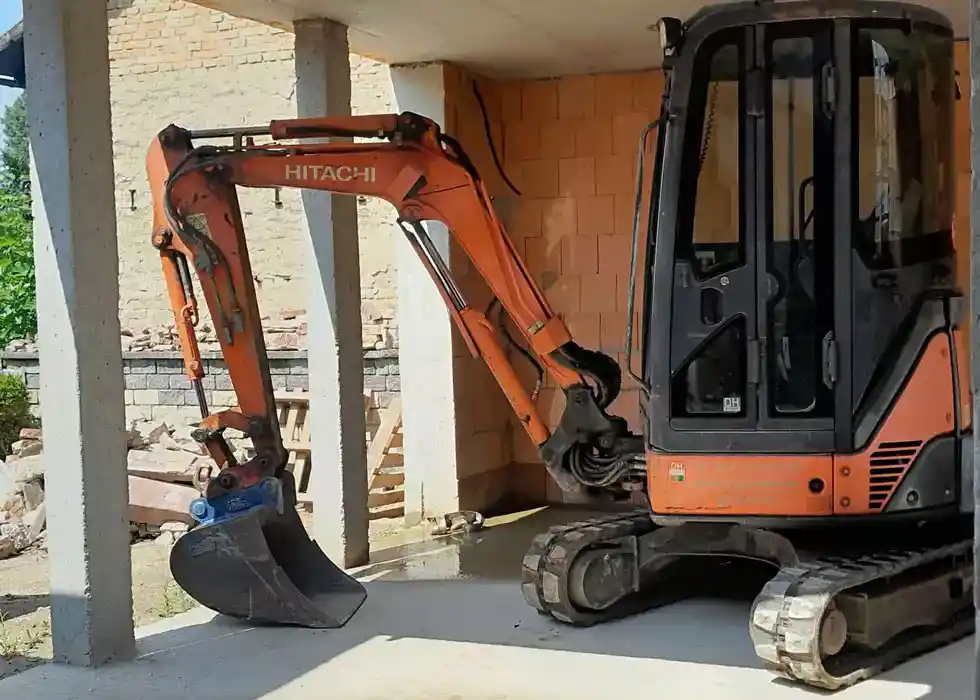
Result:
426,176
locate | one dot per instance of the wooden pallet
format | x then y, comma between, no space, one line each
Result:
293,409
386,465
385,457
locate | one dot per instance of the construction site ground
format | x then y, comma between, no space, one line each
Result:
444,620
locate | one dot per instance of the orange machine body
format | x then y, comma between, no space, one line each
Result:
789,485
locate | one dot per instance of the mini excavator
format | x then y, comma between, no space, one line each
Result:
803,380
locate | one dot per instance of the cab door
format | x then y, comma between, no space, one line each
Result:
794,232
750,259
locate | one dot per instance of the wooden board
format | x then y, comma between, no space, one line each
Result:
386,466
385,457
293,408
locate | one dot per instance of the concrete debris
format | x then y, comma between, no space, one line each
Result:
24,469
162,464
168,443
19,534
33,495
162,461
158,502
170,532
22,513
26,448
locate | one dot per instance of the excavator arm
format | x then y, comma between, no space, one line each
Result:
426,175
249,555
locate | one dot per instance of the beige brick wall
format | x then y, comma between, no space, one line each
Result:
172,61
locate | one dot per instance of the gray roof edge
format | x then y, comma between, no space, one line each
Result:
12,57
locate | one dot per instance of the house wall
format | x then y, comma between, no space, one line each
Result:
570,146
173,61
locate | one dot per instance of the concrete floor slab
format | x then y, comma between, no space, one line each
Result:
447,622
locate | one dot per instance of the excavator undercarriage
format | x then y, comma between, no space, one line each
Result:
826,615
807,432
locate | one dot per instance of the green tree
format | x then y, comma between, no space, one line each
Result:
15,157
18,311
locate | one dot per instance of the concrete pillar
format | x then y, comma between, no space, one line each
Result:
339,479
425,340
974,83
77,270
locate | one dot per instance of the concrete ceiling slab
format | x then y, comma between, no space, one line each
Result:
505,38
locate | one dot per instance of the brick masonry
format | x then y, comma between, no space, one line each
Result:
173,61
158,389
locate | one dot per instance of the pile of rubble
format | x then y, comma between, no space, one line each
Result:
161,463
286,332
22,510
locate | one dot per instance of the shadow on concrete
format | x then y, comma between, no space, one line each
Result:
446,619
12,606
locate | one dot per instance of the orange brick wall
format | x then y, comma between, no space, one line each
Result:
483,414
570,146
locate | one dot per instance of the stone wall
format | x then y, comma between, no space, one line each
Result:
157,388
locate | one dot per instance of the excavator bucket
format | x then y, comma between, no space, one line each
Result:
261,566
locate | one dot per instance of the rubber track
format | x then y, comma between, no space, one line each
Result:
787,615
545,567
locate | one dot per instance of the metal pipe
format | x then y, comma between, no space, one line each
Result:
230,131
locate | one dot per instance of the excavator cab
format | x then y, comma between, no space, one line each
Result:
803,371
803,263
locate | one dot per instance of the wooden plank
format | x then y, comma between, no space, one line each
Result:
390,420
289,431
293,397
395,510
385,498
384,480
391,460
302,468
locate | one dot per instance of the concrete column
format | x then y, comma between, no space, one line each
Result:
974,82
77,270
425,341
339,478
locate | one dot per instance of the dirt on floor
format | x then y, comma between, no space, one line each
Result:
25,623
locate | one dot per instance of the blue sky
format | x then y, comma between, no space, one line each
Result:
11,12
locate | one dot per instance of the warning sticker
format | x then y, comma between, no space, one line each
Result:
676,472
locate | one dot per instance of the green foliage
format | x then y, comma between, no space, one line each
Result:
15,156
15,411
18,310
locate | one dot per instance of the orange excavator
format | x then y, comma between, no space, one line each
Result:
803,383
